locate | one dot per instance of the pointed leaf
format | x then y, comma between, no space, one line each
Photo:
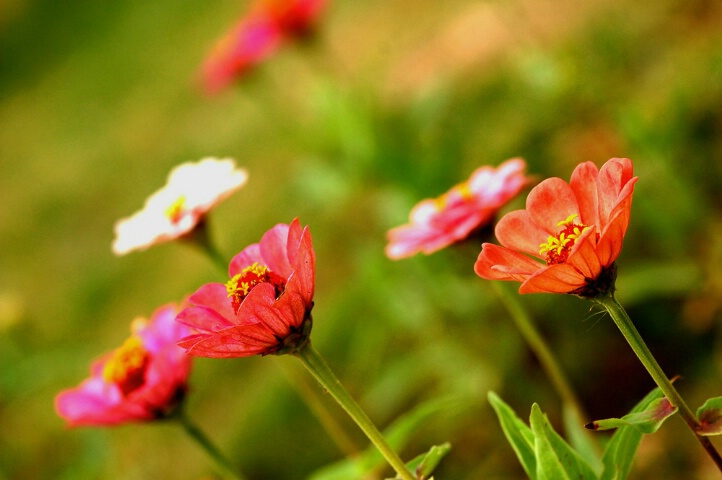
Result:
620,451
581,439
424,464
710,416
647,421
517,433
556,460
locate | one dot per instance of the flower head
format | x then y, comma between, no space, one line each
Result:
175,210
265,307
437,223
263,29
144,379
569,236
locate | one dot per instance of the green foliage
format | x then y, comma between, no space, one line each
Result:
646,421
710,416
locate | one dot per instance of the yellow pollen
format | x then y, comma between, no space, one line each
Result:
556,249
175,210
126,367
462,189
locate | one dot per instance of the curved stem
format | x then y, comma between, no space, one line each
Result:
625,325
222,464
538,345
314,363
318,407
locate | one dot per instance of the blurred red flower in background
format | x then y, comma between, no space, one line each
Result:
265,308
452,217
144,379
262,30
569,236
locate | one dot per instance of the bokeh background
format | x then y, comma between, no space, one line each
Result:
391,102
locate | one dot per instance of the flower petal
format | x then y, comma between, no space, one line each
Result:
499,263
584,186
203,319
239,341
584,257
215,297
551,202
562,278
250,255
613,176
274,250
518,231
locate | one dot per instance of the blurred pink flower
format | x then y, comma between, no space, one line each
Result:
265,308
263,29
569,236
175,210
144,379
437,223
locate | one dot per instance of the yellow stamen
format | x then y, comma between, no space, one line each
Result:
556,249
126,368
175,210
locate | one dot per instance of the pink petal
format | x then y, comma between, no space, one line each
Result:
584,185
240,341
551,202
303,278
273,250
293,240
562,278
215,297
250,255
258,307
499,263
613,176
517,230
203,319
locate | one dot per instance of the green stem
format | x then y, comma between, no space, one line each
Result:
315,364
625,325
201,239
538,345
222,464
318,407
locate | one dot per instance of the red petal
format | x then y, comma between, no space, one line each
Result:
258,307
551,202
584,186
293,240
561,278
203,319
613,176
584,257
518,231
240,341
215,297
273,250
499,263
250,255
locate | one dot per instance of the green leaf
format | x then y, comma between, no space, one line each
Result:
556,460
647,421
620,451
517,433
710,416
581,439
397,435
424,464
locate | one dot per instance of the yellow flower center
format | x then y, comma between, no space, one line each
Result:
176,209
126,368
242,283
462,190
557,248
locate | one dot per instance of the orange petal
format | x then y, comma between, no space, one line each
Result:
584,185
561,278
518,231
584,257
499,263
551,201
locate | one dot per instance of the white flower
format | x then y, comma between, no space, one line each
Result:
192,190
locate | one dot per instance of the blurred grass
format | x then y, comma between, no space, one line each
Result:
393,102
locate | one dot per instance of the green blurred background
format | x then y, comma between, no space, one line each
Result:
393,101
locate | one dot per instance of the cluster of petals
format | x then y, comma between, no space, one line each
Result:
258,35
192,190
265,308
144,384
437,223
569,235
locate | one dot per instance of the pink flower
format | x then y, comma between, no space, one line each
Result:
437,223
193,189
258,35
265,308
144,379
569,236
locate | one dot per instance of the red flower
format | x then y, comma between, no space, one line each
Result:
267,25
144,379
574,232
265,308
437,223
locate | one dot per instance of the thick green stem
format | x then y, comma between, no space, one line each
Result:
315,364
222,464
538,345
625,325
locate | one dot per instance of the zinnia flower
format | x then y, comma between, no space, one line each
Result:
437,223
569,236
144,379
267,25
265,307
175,210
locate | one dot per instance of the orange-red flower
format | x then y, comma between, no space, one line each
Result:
263,29
569,236
172,212
144,379
437,223
265,307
